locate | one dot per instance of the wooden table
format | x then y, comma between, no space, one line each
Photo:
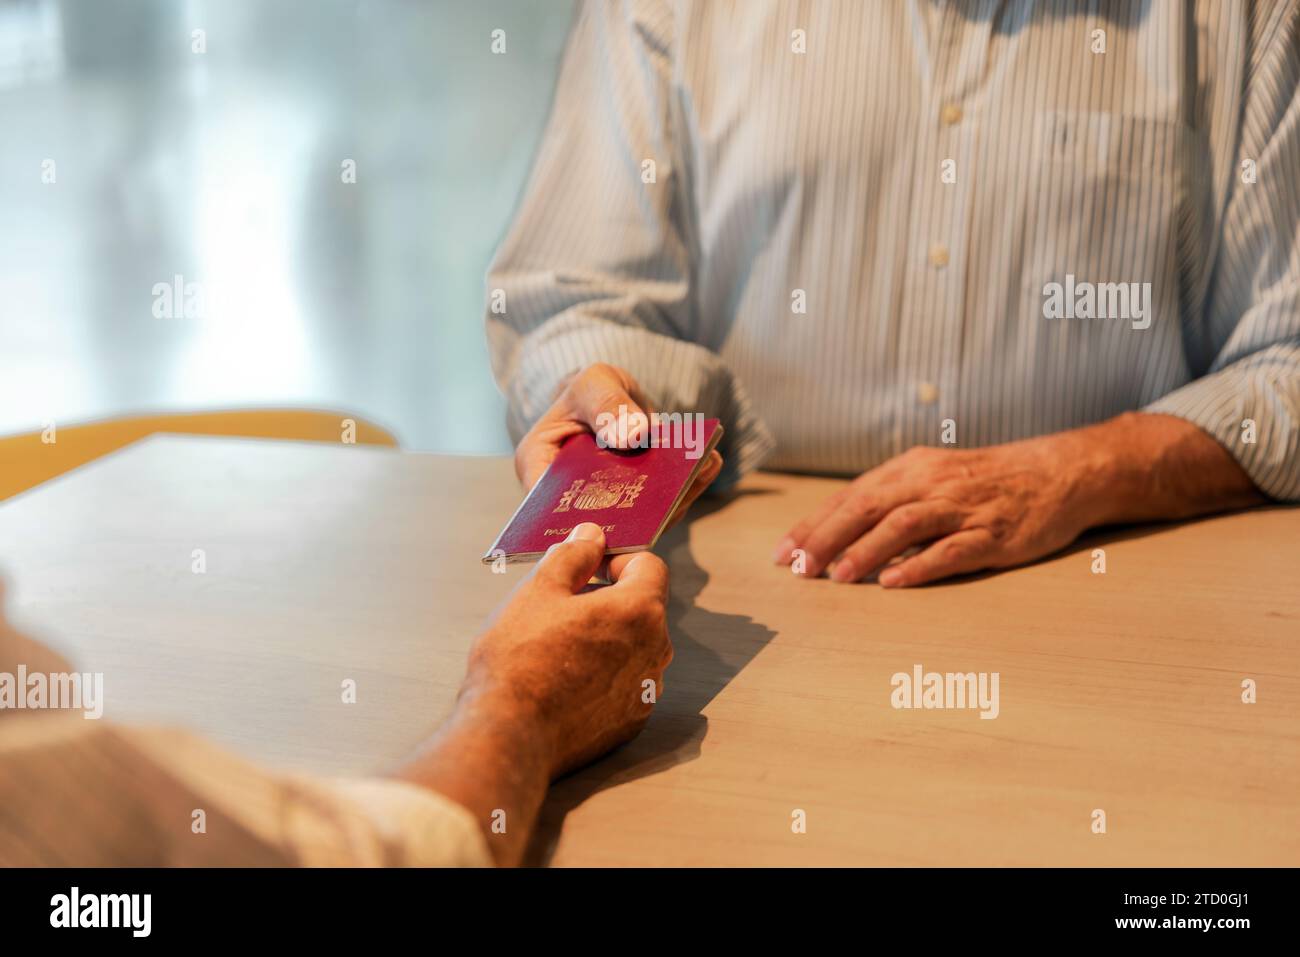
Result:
1120,692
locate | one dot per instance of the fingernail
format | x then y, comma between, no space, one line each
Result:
586,532
844,572
891,578
782,552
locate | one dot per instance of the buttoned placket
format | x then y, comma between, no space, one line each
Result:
952,58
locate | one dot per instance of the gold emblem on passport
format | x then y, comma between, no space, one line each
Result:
613,487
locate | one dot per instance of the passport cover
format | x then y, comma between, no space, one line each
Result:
630,493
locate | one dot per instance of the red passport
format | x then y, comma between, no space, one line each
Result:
629,493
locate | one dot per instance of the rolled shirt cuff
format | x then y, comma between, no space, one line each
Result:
1252,408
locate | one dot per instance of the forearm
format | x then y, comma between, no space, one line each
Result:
493,761
1140,467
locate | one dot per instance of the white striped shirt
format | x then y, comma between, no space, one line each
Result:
88,793
915,174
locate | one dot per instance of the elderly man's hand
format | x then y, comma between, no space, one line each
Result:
562,674
590,400
581,666
948,511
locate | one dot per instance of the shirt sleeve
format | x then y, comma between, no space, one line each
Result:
1248,344
597,266
88,793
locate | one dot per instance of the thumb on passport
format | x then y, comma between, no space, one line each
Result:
571,563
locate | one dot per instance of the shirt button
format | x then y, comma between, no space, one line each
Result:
950,114
927,393
939,255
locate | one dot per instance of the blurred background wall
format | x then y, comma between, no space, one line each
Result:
127,159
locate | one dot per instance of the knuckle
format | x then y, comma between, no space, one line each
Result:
860,504
642,615
610,398
905,522
651,560
622,613
571,385
1000,527
948,495
653,617
952,551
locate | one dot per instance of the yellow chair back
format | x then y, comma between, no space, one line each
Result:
29,459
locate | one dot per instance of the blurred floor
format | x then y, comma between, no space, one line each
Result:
225,168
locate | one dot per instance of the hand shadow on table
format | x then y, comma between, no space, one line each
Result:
709,649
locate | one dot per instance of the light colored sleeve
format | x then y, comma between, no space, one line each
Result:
1248,346
88,793
597,266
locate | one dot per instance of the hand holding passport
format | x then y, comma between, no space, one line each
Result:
631,493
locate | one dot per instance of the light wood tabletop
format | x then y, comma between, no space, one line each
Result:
1120,692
